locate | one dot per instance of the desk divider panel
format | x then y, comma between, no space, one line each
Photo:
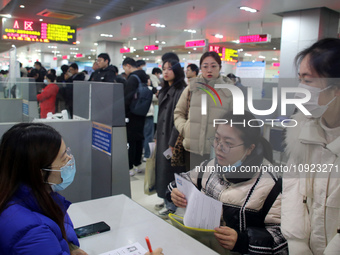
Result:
10,110
104,102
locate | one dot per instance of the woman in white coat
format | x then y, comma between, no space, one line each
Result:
311,192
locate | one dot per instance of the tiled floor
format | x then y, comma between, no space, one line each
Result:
148,202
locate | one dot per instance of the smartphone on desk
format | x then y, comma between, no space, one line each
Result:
92,229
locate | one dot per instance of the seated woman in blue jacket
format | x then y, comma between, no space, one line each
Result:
34,164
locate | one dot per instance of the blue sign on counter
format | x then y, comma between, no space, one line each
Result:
25,107
101,137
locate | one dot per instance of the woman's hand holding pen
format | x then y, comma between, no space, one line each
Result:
178,198
158,251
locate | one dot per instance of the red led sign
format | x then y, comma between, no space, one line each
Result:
65,57
55,58
195,43
264,38
151,47
276,64
124,50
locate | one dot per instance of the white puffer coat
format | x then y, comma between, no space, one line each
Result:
242,208
311,199
197,128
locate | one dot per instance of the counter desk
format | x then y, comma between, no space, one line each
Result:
130,223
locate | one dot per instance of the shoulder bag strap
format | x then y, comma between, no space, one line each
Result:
200,175
274,193
139,81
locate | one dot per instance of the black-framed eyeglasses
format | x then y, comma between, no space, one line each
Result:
224,145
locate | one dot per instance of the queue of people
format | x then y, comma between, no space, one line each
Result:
263,213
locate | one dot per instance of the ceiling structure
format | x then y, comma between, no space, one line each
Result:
127,19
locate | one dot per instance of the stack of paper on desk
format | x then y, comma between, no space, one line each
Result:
202,211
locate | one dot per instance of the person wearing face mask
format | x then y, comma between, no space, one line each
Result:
191,124
251,199
311,199
48,96
34,164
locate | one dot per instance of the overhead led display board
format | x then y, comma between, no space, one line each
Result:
195,43
263,38
226,54
151,47
124,50
35,31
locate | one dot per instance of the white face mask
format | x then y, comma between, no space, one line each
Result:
312,105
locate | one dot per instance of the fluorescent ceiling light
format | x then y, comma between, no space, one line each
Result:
98,17
262,57
156,41
247,55
275,59
248,9
218,36
236,41
135,39
157,25
106,35
190,31
22,6
163,42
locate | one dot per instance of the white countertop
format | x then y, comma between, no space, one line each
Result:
130,223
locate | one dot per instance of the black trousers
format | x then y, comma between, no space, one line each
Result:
135,153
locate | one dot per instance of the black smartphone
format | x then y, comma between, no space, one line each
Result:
92,229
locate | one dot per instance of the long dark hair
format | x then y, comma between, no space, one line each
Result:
178,72
324,58
25,149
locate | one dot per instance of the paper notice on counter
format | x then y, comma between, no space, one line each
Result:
132,249
202,211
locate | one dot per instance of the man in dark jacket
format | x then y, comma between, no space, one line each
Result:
106,72
135,125
70,76
41,71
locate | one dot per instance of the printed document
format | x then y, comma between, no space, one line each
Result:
132,249
202,211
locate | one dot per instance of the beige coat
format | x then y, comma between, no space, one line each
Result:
311,200
197,128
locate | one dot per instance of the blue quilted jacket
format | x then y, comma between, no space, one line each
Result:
25,230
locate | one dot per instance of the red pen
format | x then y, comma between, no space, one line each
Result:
148,244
